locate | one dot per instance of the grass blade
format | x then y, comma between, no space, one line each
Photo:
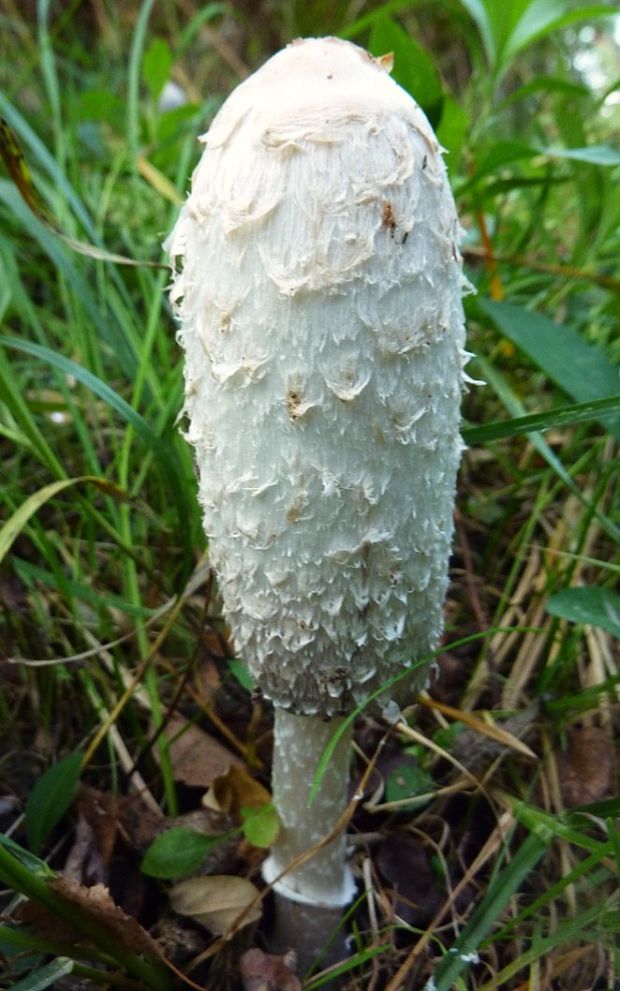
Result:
46,976
15,524
499,893
579,368
163,451
562,416
513,405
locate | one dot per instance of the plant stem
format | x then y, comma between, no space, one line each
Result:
310,898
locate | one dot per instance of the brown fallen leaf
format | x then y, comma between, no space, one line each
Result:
236,790
215,901
586,769
95,837
96,904
208,680
197,758
100,809
100,906
41,922
266,972
84,862
139,824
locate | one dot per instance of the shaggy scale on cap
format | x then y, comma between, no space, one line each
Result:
319,299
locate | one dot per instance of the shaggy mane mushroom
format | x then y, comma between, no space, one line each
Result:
319,301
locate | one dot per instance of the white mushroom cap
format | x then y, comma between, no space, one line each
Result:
320,314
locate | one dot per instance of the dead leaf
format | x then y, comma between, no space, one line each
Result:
84,862
266,972
101,811
215,901
97,903
197,758
95,837
236,790
489,729
46,924
208,681
139,824
586,770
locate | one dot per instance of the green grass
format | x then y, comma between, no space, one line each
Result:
110,623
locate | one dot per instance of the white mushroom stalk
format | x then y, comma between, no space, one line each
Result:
319,299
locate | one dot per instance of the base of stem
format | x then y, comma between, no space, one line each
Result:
315,933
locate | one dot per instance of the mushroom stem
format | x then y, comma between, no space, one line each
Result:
310,898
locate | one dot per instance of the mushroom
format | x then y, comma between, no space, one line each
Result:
318,290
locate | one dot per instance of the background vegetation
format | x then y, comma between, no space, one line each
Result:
486,842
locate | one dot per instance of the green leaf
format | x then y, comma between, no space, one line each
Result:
452,131
509,26
504,19
559,417
579,368
534,22
48,162
548,827
99,105
591,154
156,66
608,808
15,402
366,21
505,152
571,931
594,606
408,781
501,153
261,825
240,671
479,13
50,798
546,84
541,17
33,866
134,67
177,852
45,977
414,70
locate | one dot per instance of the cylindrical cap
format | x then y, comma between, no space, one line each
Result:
319,298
